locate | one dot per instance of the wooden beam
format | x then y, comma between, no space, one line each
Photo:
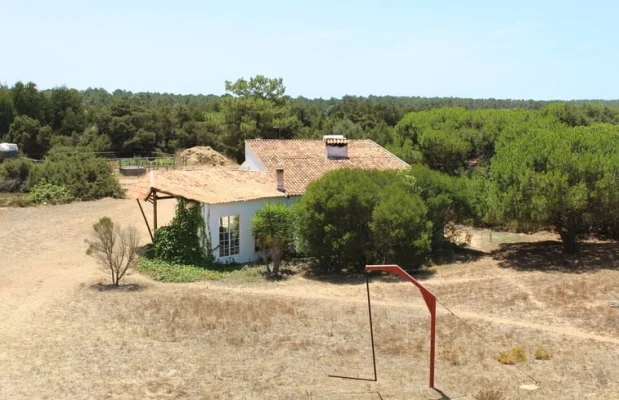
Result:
165,197
152,239
154,210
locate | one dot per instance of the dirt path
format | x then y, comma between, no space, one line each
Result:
313,293
43,251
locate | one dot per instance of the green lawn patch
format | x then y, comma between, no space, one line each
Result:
167,272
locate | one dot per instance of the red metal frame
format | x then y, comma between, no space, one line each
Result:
429,298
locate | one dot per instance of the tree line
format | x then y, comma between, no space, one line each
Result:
447,132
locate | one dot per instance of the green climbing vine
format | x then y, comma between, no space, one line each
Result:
187,239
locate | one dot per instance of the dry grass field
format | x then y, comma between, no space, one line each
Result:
64,335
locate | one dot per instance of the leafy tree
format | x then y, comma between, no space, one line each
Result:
272,227
114,248
444,151
256,108
93,141
30,137
29,101
259,86
451,139
401,231
66,111
7,110
562,177
449,200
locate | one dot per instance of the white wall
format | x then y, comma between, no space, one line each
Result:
251,162
245,210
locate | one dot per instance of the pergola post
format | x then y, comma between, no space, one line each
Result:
154,193
152,239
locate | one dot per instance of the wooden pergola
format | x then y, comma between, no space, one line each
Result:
152,198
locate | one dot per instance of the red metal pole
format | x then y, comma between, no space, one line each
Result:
428,297
432,339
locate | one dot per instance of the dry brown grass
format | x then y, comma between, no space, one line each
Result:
63,338
543,354
180,342
489,394
512,356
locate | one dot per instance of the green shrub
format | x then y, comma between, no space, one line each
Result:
401,232
82,173
512,356
45,192
15,175
19,168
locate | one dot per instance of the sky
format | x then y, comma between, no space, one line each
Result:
543,49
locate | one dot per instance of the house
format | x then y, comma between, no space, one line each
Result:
273,171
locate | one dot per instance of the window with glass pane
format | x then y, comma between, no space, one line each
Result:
228,236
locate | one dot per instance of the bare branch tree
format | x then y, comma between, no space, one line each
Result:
114,248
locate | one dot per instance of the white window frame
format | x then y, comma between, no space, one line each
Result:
229,237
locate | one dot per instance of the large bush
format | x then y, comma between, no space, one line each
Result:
401,231
334,217
560,177
350,218
82,173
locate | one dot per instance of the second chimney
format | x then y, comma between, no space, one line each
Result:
336,147
280,180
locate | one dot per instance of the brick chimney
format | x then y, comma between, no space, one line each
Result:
280,180
336,147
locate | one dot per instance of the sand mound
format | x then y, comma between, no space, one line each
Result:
204,155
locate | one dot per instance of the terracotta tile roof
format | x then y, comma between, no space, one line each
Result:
305,160
210,185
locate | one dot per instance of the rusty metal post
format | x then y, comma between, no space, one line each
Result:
367,286
432,308
428,297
